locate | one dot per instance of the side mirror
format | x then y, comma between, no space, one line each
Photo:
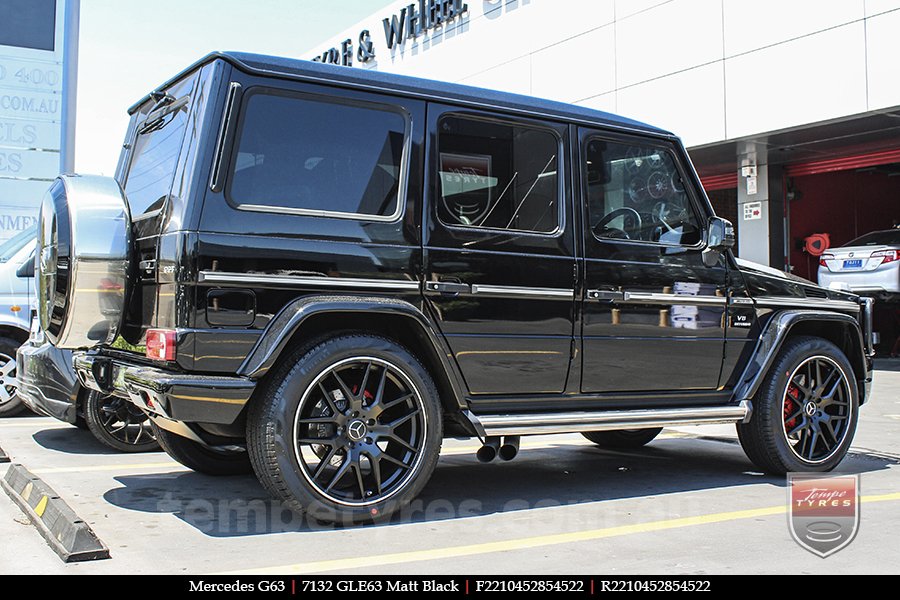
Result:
719,238
26,269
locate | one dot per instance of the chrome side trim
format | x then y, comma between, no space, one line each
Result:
503,291
261,279
804,303
540,424
679,299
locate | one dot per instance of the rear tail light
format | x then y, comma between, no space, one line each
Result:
825,257
886,256
161,344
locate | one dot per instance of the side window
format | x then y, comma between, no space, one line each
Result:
636,192
498,176
297,154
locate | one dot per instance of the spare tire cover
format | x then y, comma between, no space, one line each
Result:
83,261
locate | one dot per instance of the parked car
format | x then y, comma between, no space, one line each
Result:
869,265
16,300
47,384
332,269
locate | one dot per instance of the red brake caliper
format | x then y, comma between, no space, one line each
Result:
366,394
790,406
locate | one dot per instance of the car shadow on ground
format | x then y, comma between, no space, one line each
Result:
461,487
71,440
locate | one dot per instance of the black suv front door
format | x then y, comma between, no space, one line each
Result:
653,312
499,249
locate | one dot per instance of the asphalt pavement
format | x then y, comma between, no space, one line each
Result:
689,503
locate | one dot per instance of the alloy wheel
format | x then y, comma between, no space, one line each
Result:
816,409
124,421
8,384
359,430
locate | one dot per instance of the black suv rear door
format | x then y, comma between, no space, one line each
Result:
653,312
499,249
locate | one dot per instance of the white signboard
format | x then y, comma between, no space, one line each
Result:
753,211
34,116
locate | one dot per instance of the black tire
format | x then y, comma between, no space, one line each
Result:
623,438
803,421
200,458
81,423
118,423
307,398
10,402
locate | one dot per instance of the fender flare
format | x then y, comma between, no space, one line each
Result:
286,323
772,338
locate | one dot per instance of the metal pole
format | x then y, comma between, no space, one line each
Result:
70,85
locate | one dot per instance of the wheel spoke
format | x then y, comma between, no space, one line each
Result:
329,400
359,480
402,399
790,418
396,461
348,394
316,441
339,474
828,432
400,421
314,420
323,464
395,438
814,438
376,471
365,381
798,428
379,393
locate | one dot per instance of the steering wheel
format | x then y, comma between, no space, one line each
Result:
601,229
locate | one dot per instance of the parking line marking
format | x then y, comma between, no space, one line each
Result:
528,542
55,425
92,468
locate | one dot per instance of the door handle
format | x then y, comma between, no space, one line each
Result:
605,296
452,288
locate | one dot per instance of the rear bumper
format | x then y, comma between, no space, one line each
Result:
46,381
181,397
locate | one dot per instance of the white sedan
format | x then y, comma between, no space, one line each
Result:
868,265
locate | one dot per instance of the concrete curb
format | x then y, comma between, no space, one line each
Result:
70,537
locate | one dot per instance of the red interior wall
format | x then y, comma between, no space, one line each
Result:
845,205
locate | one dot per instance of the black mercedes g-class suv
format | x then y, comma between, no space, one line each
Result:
332,269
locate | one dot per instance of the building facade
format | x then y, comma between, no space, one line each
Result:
790,108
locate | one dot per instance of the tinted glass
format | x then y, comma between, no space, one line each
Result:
153,162
311,155
10,247
891,237
636,192
498,176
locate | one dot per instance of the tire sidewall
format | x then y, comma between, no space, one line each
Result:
286,400
776,387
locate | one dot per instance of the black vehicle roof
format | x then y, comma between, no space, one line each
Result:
273,66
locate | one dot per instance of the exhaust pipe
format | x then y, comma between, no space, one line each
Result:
489,450
510,447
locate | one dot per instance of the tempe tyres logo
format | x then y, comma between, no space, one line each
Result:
824,511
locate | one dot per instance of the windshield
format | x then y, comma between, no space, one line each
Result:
156,148
889,237
10,247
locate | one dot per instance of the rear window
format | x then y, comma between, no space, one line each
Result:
890,237
156,149
305,155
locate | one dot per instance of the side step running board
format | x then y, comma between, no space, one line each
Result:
546,423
